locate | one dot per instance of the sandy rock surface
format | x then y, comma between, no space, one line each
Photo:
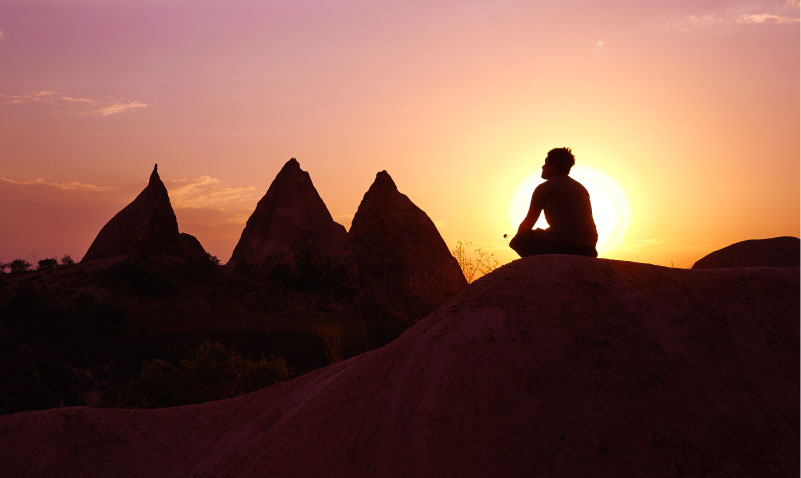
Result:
550,366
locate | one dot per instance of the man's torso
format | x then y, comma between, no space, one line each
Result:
566,205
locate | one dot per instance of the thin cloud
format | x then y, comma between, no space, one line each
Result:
205,192
765,18
63,185
1,34
84,106
116,108
754,14
43,96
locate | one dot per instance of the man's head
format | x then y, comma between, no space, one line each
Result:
558,163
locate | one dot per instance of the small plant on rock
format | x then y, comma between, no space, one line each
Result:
475,262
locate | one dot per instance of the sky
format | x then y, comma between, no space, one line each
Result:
691,108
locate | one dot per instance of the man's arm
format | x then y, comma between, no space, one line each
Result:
534,211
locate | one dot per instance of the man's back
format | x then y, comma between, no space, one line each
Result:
567,208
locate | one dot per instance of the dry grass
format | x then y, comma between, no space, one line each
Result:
329,332
476,263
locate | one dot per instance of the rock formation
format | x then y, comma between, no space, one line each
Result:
145,226
550,366
191,247
774,252
290,219
401,263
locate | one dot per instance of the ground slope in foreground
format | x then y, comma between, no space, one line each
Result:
550,366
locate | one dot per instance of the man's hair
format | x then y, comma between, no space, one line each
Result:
562,157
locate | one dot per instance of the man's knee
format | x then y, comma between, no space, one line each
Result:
530,243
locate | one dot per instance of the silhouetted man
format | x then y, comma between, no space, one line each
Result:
567,209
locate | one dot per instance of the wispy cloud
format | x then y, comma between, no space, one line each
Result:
746,14
63,185
1,34
766,18
206,192
84,106
115,108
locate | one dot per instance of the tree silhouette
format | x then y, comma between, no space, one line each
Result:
47,264
19,265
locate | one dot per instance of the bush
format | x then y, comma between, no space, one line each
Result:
47,264
479,262
212,373
310,275
66,260
19,265
141,278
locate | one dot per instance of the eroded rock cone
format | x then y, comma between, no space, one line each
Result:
402,265
289,221
775,252
145,226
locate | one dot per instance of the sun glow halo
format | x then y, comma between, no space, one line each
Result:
610,205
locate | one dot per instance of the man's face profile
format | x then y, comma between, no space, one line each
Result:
548,169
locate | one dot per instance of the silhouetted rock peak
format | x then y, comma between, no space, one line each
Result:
145,226
402,264
383,182
774,252
290,219
291,164
154,176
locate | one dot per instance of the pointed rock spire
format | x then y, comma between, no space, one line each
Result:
402,264
290,219
146,225
155,180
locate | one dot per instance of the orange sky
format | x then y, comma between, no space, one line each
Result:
693,107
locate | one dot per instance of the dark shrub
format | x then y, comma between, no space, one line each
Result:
47,264
308,275
19,265
213,373
141,278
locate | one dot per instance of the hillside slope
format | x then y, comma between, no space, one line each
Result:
550,366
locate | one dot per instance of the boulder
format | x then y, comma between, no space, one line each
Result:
291,220
402,265
774,252
550,366
191,248
145,226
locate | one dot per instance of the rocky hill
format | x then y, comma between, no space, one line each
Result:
550,366
773,252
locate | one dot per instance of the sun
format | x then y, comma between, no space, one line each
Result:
610,205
